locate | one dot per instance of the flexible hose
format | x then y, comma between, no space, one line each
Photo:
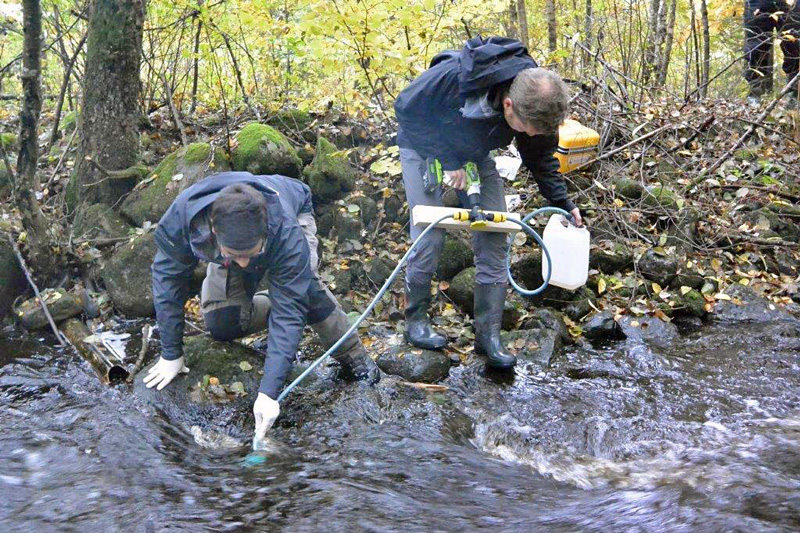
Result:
390,280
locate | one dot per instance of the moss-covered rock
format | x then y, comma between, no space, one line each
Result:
658,266
658,197
291,119
261,149
12,279
98,221
456,256
367,208
628,188
330,176
127,277
177,171
61,304
348,225
462,290
8,141
692,304
394,209
415,364
378,270
610,257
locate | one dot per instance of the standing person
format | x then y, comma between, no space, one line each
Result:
761,19
246,227
465,105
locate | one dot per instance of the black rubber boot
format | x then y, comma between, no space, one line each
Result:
418,326
356,365
489,301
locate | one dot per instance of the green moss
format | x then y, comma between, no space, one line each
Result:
293,119
8,141
661,197
628,188
329,175
692,303
69,121
197,153
261,149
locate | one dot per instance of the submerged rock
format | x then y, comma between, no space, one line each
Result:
651,330
179,170
127,277
330,175
538,345
261,149
414,364
602,326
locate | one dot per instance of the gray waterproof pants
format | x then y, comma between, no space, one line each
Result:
489,248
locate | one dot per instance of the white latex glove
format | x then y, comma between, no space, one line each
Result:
164,371
266,410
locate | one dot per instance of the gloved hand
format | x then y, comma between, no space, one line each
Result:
266,410
164,371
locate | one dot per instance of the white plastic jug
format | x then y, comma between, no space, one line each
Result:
569,250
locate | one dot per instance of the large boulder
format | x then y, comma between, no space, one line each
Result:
330,175
223,404
261,149
415,364
127,276
12,279
151,198
98,221
746,305
60,303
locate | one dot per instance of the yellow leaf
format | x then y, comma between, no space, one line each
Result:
685,290
635,323
716,264
601,286
618,203
744,281
722,296
213,381
656,288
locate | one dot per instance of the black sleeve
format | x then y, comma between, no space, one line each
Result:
537,154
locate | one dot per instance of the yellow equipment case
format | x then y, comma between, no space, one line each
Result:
577,144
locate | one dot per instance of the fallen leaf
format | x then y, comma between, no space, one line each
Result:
245,366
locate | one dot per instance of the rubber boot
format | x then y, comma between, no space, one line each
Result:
489,302
418,326
356,365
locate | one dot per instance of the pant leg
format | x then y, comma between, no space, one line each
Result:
423,261
758,27
490,248
789,31
229,306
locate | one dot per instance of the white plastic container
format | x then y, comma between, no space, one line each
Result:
569,251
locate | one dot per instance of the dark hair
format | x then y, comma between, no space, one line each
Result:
239,216
540,98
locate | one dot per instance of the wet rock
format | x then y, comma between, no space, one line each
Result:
610,257
98,221
12,279
546,318
683,233
179,170
462,290
527,270
456,256
687,278
658,267
348,225
651,330
785,262
330,175
538,345
579,304
773,224
746,306
127,277
61,304
261,149
187,401
658,197
692,304
379,269
602,326
628,188
415,364
367,208
342,281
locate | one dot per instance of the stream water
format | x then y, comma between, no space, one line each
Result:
703,436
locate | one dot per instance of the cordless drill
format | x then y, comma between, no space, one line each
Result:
434,175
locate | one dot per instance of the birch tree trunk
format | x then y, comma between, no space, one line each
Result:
522,15
552,30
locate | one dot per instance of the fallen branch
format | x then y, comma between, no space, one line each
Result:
624,147
39,298
134,172
146,331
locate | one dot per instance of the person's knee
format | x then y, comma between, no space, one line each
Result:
224,324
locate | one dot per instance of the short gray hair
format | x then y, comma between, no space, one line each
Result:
540,98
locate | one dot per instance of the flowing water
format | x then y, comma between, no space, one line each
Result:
703,436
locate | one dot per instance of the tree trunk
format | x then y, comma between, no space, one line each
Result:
512,26
665,56
706,48
552,29
522,15
196,65
33,219
109,116
587,35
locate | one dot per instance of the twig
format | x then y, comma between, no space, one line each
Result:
625,146
175,114
146,330
32,283
764,114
